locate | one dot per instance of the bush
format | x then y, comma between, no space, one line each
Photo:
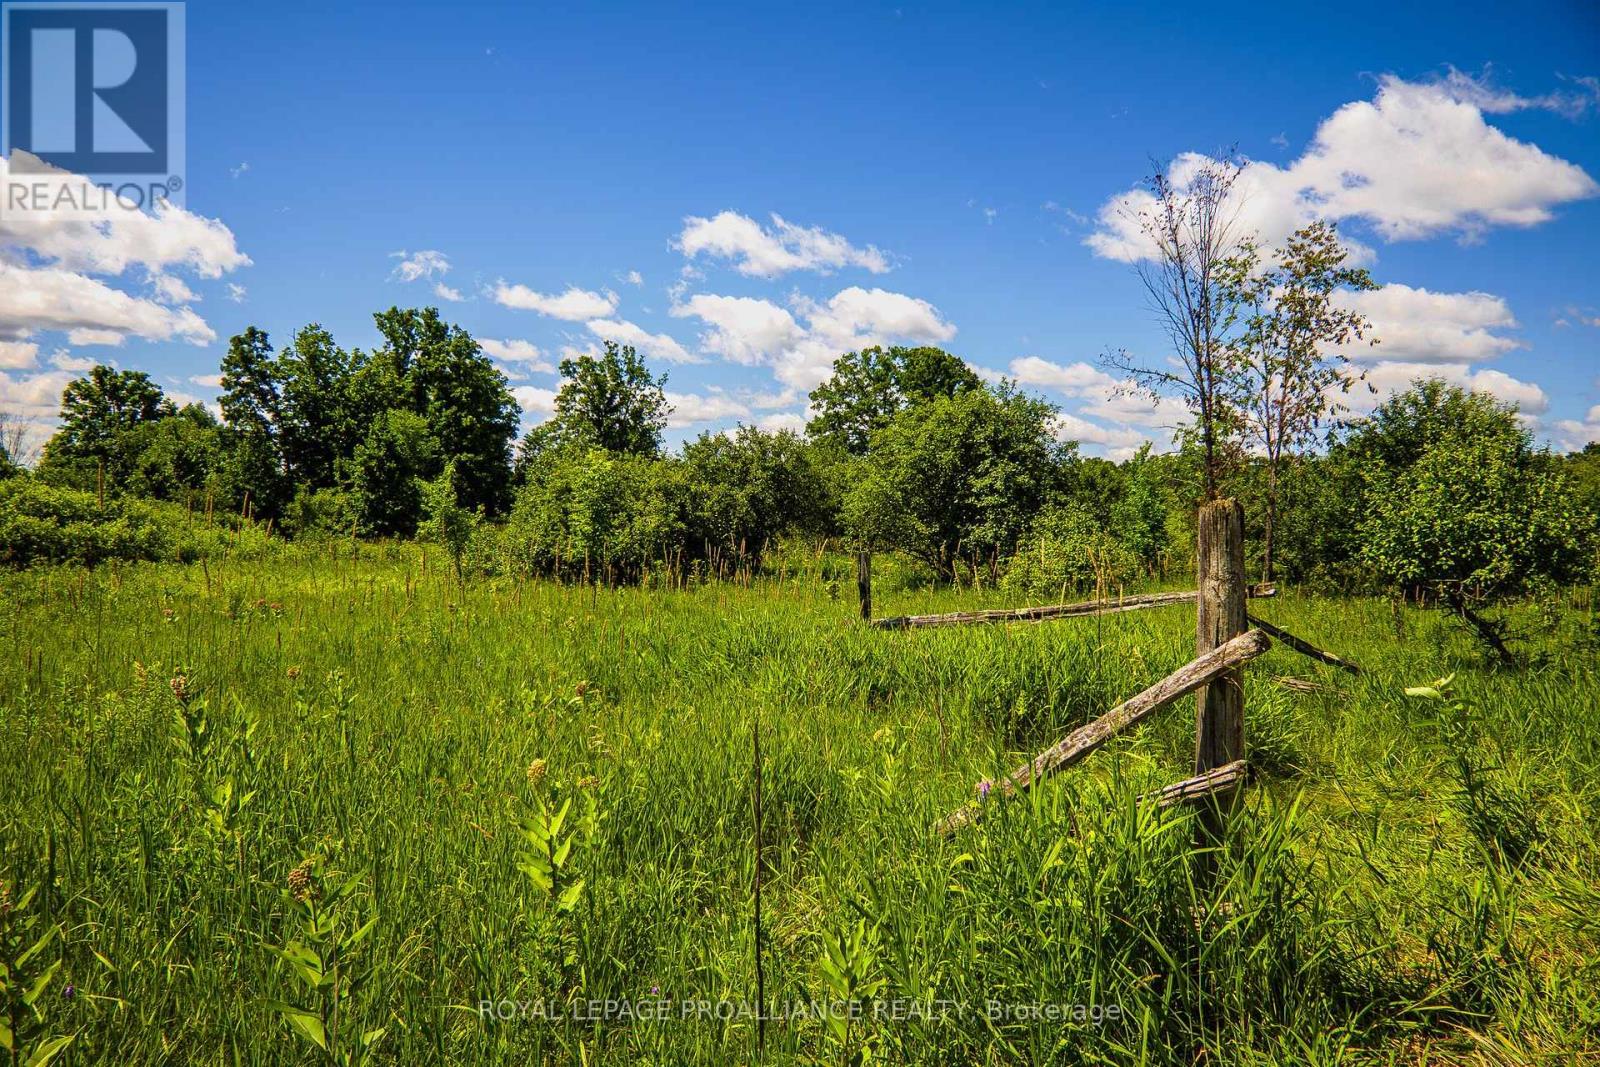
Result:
41,523
1066,551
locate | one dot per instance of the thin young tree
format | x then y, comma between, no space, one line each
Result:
1191,225
1289,356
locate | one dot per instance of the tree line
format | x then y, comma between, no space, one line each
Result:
1439,492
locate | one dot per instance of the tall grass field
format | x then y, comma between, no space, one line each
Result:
347,809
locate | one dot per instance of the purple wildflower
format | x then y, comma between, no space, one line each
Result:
983,789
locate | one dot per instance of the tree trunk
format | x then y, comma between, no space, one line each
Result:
1272,523
1219,710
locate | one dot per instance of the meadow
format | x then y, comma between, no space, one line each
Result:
339,807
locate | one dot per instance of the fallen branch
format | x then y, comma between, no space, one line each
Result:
1305,648
1217,780
1053,611
1301,685
1084,740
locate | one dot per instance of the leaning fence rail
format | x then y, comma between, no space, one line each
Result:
1084,740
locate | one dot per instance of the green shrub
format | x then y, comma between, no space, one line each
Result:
1066,551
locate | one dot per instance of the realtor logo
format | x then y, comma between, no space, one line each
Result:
95,89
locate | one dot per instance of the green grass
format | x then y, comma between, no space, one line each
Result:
1411,881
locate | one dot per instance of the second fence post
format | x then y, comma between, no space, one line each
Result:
864,582
1219,708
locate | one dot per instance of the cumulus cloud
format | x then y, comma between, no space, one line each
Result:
515,350
1418,160
742,329
574,305
50,298
1391,377
689,409
236,292
659,345
1418,325
417,265
793,421
800,346
537,404
763,252
447,292
1574,434
63,269
18,355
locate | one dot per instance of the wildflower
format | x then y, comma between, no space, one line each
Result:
536,771
168,615
300,886
582,689
983,789
293,672
589,781
180,687
69,992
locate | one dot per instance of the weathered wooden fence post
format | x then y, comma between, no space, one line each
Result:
1219,708
864,582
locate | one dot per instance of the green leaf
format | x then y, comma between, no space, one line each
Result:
305,1023
47,1050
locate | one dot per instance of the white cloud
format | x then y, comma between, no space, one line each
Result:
34,396
1073,378
659,345
50,298
63,359
209,381
743,329
1481,92
1574,434
574,305
415,265
766,253
688,409
168,237
172,290
1119,442
1392,377
1419,325
782,420
515,350
61,269
446,292
759,332
634,278
1416,161
236,292
18,355
538,404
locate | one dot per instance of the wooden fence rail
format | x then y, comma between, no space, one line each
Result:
1304,647
1053,611
1084,740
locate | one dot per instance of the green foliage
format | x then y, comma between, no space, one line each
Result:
448,523
1067,551
747,488
958,478
41,523
591,514
25,975
1362,918
1465,508
868,388
610,401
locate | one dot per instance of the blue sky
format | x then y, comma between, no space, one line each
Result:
553,175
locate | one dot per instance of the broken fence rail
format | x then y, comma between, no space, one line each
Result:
1084,740
1053,611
